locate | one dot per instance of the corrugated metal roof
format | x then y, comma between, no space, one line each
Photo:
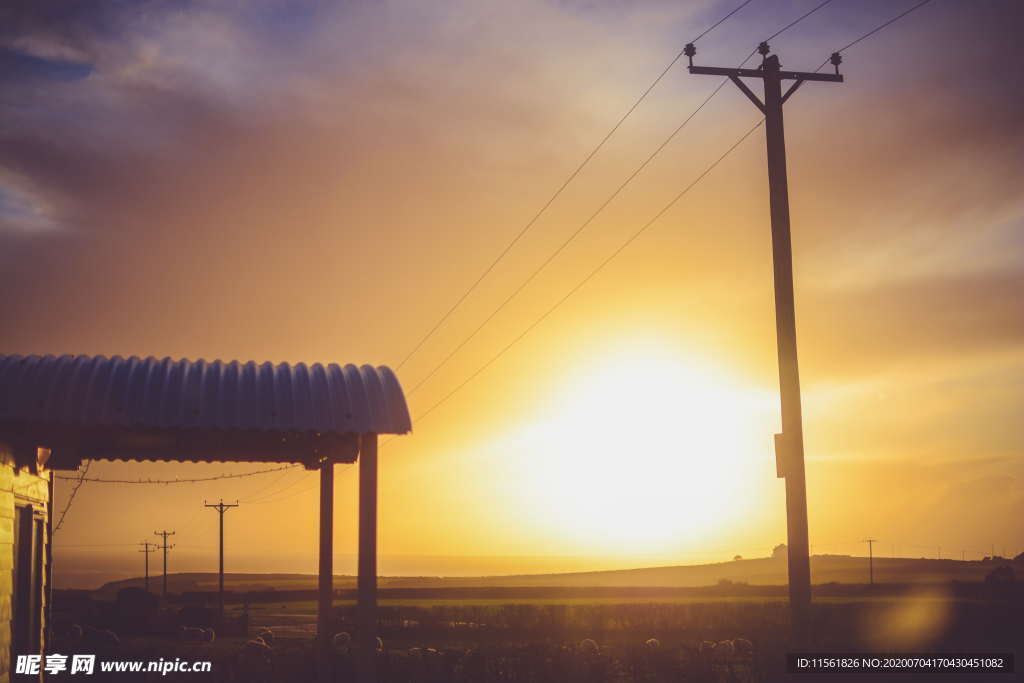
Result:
181,394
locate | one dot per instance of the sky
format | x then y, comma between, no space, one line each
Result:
320,182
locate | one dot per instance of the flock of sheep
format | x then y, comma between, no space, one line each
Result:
729,660
257,661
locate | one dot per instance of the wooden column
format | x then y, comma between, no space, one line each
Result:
367,606
324,631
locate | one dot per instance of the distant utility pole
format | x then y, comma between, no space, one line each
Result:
940,552
962,556
165,548
148,548
871,559
221,508
789,445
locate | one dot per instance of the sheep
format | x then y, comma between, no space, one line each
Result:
743,646
725,649
191,633
707,647
589,647
652,643
380,644
267,636
342,641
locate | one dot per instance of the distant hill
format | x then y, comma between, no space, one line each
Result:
758,572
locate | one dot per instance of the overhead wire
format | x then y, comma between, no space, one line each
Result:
269,490
177,480
589,276
876,30
561,188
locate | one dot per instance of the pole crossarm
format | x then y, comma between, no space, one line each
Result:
750,93
759,73
792,89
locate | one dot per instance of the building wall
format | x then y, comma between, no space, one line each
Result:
21,484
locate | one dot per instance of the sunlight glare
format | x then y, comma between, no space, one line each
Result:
645,452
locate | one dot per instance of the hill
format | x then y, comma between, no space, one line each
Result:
757,572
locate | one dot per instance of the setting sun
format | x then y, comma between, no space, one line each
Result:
646,449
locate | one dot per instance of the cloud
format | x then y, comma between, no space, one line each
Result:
23,209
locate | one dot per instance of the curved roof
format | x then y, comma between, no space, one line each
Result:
88,391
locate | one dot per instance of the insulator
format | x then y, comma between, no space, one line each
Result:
763,48
836,59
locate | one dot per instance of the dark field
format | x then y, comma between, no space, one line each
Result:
436,639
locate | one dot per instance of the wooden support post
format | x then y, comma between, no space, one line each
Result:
324,631
367,607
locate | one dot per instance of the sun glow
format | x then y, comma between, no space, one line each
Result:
647,452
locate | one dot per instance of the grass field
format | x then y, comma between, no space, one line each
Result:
587,639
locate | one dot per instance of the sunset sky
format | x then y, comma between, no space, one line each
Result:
315,181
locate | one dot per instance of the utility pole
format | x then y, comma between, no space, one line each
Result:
871,560
148,548
165,548
789,445
221,508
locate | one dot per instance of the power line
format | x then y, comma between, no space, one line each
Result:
797,21
572,176
265,494
565,243
276,498
590,275
561,247
74,492
877,29
275,495
274,482
175,481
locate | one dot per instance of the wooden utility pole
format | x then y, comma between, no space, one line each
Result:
789,445
148,548
871,560
164,534
221,508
